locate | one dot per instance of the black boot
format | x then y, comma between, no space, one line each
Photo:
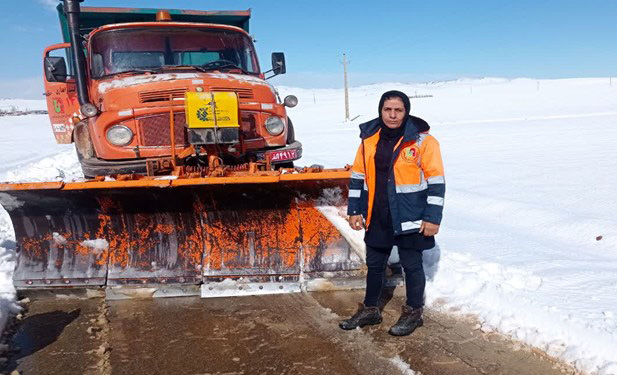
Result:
408,322
364,316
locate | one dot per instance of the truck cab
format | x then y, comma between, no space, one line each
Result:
142,75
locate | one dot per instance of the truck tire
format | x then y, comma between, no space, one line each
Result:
287,164
83,145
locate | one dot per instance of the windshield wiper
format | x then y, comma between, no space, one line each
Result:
224,65
136,71
234,66
171,67
206,69
158,70
201,68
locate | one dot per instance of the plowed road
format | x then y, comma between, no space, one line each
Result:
279,334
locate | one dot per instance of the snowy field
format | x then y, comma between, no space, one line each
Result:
528,244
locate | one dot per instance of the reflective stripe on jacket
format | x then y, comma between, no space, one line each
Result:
416,185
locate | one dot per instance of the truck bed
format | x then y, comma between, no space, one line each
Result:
93,17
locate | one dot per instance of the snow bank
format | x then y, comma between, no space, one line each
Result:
23,105
63,166
27,140
8,304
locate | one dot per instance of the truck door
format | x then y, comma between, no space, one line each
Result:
60,91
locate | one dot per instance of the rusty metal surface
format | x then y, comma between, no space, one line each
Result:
320,179
154,130
44,222
144,232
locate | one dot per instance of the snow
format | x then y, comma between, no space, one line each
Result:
402,365
141,79
58,239
150,78
167,178
335,216
8,302
98,245
62,166
529,239
22,105
239,77
26,140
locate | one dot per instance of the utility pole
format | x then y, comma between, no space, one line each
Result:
346,88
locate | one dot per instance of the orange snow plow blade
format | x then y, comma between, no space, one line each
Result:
216,236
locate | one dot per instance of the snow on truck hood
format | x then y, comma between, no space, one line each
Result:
150,78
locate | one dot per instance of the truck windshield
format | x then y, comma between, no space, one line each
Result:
154,49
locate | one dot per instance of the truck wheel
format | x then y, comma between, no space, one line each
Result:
289,164
83,145
291,134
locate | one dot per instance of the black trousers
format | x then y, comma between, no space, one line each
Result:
415,280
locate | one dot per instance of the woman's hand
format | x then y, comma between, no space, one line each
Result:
428,229
356,222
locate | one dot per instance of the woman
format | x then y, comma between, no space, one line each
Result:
396,192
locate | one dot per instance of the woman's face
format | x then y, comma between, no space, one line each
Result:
393,112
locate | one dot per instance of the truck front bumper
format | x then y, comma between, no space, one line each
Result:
285,154
100,167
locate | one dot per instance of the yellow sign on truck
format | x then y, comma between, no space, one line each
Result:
212,109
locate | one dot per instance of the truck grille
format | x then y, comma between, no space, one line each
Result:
242,93
249,125
154,130
161,95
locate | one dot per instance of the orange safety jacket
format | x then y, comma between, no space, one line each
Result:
416,185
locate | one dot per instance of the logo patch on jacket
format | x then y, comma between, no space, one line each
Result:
410,154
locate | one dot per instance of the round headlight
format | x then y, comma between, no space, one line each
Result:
119,135
290,101
89,110
275,125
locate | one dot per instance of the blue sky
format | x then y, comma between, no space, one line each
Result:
396,40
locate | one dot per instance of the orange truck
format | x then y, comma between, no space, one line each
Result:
190,150
144,74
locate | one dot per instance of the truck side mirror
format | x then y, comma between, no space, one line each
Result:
55,69
278,63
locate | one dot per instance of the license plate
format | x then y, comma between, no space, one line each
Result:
283,155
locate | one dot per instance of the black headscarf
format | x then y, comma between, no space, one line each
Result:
398,132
